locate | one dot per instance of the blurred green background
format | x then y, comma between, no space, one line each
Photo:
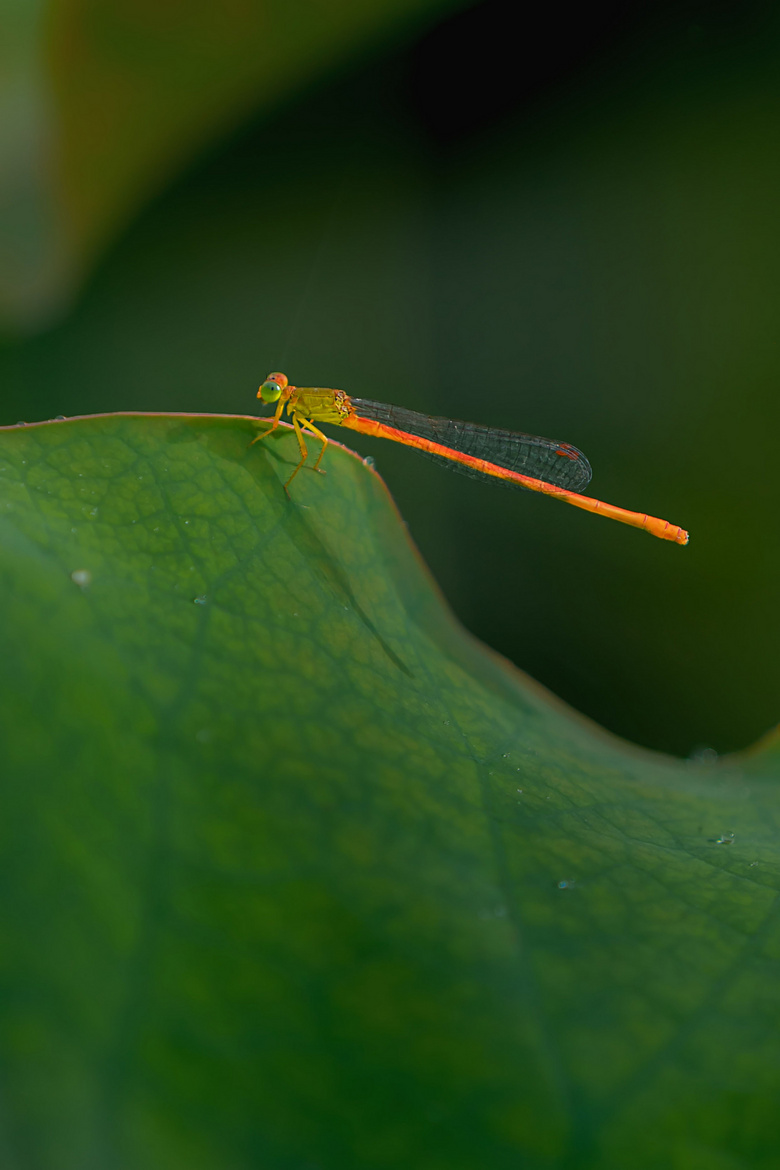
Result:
574,234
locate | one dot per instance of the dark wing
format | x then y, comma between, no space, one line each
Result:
556,463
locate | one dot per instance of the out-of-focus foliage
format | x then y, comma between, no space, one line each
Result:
295,873
598,267
102,101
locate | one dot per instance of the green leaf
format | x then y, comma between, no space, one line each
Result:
102,102
295,873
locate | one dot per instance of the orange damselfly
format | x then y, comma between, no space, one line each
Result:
519,460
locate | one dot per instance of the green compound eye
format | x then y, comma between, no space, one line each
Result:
272,387
269,391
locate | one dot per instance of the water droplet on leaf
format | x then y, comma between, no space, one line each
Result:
703,755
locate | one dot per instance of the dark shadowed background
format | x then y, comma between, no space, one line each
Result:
574,232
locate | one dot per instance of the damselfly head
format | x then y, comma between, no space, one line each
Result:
272,387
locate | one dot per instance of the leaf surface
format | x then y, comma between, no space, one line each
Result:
296,873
